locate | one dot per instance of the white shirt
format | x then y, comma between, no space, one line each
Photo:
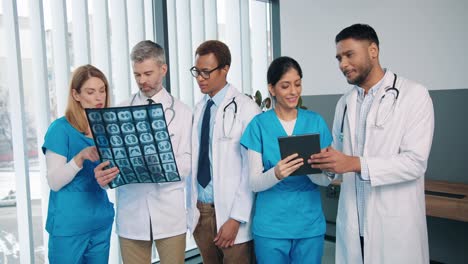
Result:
363,185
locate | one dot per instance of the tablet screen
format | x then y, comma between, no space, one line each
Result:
305,145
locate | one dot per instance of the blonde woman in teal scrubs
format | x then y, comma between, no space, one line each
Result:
80,216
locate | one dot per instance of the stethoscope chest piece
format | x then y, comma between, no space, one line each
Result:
229,118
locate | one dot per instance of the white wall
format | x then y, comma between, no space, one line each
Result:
423,40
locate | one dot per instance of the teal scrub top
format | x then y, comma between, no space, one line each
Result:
82,205
292,208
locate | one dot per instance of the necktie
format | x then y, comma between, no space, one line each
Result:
150,101
204,173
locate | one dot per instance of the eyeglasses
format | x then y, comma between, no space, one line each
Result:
205,74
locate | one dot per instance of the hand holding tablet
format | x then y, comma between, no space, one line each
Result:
304,145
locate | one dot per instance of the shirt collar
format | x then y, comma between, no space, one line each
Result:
374,89
157,98
219,97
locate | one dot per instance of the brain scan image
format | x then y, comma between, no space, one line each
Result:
116,141
102,141
119,153
155,169
170,167
158,124
152,159
131,139
139,114
167,157
95,117
146,138
128,128
105,153
124,116
113,129
157,174
134,151
149,149
164,146
138,161
172,176
156,113
131,177
142,126
128,173
98,129
161,135
109,117
142,173
122,163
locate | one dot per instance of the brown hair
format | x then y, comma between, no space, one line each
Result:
75,113
219,50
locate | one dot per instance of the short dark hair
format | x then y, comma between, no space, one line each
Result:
148,49
219,50
279,67
358,32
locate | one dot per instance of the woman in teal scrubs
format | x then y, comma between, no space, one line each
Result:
288,222
80,215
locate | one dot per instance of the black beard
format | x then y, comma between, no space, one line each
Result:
361,78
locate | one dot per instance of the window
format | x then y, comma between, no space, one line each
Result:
245,26
50,46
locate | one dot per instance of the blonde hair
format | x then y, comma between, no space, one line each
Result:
75,113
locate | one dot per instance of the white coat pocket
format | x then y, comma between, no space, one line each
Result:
170,218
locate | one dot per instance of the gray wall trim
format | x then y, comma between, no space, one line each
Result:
449,153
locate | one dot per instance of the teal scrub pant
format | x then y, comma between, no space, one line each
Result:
90,248
283,251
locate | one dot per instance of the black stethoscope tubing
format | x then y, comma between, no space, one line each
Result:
233,102
393,88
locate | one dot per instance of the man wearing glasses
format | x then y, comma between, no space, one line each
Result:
219,200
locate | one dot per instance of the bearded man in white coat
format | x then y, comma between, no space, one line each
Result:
382,136
148,212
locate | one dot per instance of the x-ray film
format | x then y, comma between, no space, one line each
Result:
136,140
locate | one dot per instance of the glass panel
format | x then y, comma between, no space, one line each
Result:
9,251
261,44
221,16
9,244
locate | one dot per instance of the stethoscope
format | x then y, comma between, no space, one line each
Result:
389,108
231,105
169,109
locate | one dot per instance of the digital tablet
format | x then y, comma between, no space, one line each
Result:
304,145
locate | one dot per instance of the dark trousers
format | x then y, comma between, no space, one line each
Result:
362,247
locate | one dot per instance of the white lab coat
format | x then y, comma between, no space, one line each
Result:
397,155
232,195
161,205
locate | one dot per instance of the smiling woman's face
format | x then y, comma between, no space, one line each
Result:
287,90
